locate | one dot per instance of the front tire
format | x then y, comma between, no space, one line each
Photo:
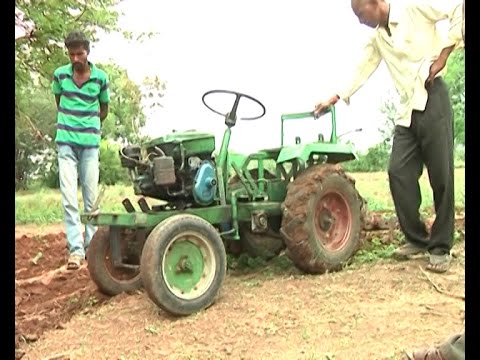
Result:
183,264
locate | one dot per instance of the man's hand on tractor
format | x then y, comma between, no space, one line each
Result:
322,107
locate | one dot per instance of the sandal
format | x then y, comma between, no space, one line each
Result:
427,354
439,263
74,262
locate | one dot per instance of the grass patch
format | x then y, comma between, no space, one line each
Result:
44,206
374,251
374,187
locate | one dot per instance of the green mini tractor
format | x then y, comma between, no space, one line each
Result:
295,198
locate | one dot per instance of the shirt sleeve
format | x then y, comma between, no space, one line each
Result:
104,96
370,60
450,10
56,88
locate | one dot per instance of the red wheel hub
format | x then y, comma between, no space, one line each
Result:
333,220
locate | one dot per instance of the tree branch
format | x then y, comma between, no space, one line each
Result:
83,12
436,287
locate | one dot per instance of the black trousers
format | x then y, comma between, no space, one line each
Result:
427,142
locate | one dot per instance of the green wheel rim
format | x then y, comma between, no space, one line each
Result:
189,265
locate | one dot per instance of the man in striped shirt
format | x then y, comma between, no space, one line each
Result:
82,97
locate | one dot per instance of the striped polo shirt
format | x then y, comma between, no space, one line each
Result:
78,116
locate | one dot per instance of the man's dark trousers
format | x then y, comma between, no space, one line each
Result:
428,141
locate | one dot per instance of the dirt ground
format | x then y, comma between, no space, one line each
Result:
369,311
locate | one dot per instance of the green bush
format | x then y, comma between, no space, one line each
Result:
111,171
375,159
50,179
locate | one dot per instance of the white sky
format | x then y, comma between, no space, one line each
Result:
288,54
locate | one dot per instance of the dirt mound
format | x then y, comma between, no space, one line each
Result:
46,294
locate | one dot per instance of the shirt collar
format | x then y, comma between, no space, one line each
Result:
394,13
93,69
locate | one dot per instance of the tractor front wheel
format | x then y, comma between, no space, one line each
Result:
322,219
183,264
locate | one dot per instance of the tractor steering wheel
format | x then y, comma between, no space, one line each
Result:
232,115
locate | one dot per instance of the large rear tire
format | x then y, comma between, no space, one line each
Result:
322,219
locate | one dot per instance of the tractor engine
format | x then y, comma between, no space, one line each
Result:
177,168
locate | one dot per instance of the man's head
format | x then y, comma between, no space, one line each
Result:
371,12
78,48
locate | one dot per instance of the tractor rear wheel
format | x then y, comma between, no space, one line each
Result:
109,279
183,264
322,219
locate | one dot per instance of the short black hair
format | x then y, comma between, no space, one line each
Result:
76,38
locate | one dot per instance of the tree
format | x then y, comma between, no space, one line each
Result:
24,28
44,51
389,110
34,111
126,115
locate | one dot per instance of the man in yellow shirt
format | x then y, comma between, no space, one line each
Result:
407,39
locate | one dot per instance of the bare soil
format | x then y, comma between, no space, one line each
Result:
46,294
366,311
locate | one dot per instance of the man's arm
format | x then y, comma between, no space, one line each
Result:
369,62
104,99
56,89
436,11
439,64
103,111
439,10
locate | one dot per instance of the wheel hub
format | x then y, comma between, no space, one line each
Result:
326,220
333,220
188,267
184,266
